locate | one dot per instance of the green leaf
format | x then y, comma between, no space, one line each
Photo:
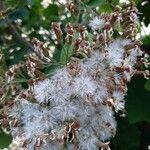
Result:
66,53
3,67
51,10
137,1
20,13
2,25
147,85
5,140
51,13
146,40
105,7
138,101
16,3
116,33
35,15
144,12
18,55
90,37
31,2
95,3
127,137
49,70
114,2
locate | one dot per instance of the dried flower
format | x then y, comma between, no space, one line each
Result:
75,107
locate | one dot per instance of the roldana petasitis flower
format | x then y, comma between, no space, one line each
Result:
75,107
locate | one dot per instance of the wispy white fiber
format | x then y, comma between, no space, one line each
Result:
97,23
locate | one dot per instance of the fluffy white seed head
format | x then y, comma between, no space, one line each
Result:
77,109
97,23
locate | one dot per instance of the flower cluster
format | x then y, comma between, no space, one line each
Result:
74,109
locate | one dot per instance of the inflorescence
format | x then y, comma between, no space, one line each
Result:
75,107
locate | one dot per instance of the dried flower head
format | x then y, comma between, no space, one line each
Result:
75,107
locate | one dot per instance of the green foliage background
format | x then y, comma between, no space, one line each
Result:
134,130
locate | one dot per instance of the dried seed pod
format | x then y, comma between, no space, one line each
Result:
73,67
44,52
135,44
72,8
34,65
58,32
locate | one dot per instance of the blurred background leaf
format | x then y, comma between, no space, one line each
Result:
127,137
138,101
